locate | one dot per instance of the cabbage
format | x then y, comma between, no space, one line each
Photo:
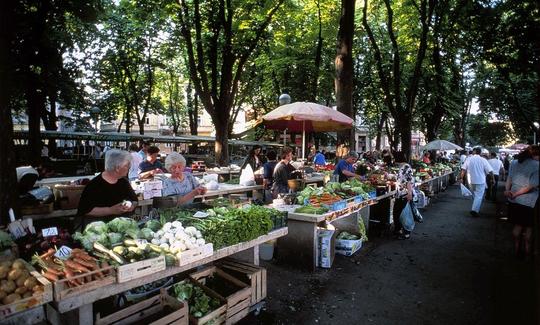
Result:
134,233
5,240
122,224
154,225
87,240
97,227
115,238
147,233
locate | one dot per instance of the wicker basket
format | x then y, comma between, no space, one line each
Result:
296,184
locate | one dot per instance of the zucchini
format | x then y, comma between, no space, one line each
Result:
117,258
155,248
130,242
120,250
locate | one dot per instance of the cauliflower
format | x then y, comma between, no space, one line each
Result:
193,240
177,224
200,242
164,246
167,227
198,234
156,241
160,233
190,231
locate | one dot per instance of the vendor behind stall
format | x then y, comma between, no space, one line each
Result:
344,169
109,194
282,173
185,185
151,166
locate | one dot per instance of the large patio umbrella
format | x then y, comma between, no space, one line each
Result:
306,116
442,145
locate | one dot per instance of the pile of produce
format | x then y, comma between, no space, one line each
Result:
347,236
309,209
227,226
6,242
78,263
318,195
16,283
199,302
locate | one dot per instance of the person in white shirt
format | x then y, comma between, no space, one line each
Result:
135,161
477,168
497,166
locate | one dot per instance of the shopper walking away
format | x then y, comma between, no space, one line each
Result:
476,168
521,189
497,166
404,195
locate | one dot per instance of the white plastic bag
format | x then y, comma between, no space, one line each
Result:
465,191
247,177
212,185
211,177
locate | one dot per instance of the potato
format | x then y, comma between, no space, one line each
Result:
30,282
21,279
2,295
14,274
8,286
27,294
20,290
19,264
4,270
6,264
11,298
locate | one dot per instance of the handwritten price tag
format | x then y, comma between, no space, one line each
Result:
200,214
48,232
63,253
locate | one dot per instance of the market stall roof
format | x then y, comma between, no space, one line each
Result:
120,137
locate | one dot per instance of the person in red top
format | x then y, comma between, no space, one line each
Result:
425,158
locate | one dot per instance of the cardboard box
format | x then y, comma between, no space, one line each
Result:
348,247
326,247
153,185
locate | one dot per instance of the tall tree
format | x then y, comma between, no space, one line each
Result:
344,68
399,77
220,36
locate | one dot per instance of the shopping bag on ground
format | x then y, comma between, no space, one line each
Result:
406,218
465,191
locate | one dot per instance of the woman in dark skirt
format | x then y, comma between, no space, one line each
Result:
522,192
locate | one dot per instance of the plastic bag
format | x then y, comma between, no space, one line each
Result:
465,191
207,178
416,214
406,218
247,177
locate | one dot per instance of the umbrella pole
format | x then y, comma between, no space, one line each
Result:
285,137
304,139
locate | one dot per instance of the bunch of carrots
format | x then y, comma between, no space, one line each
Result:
326,198
78,269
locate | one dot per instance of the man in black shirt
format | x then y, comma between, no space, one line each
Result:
109,194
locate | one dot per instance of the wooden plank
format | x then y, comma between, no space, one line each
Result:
62,289
27,317
195,254
104,292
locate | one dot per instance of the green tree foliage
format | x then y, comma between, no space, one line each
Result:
489,134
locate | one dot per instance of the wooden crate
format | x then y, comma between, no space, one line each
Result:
250,274
41,208
193,255
238,303
140,269
217,316
63,289
140,312
30,302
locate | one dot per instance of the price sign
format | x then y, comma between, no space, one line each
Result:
200,214
141,242
63,253
48,232
16,229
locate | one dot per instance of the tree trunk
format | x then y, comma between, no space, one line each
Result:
380,125
8,177
222,142
35,102
344,68
406,137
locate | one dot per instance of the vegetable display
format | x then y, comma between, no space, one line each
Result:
5,240
16,283
228,226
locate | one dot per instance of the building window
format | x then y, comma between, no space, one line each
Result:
147,120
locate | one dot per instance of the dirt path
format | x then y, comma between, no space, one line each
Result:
454,270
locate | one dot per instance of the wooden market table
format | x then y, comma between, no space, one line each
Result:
80,307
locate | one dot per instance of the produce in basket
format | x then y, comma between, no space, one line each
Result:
16,283
199,302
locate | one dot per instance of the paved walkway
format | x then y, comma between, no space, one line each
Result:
455,269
